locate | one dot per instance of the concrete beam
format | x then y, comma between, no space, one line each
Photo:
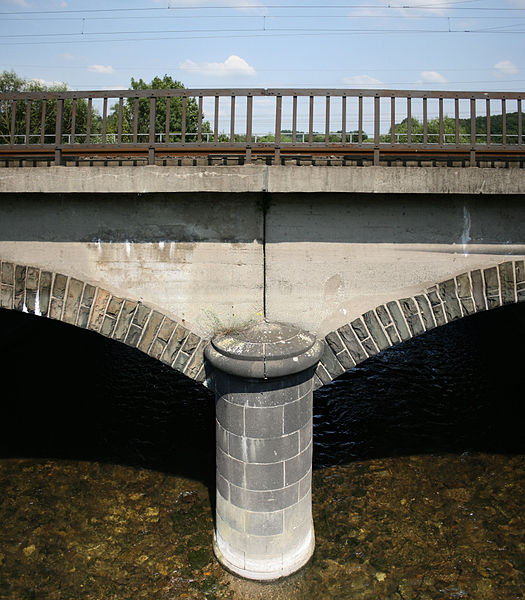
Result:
256,178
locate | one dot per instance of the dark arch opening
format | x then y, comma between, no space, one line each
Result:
457,388
70,393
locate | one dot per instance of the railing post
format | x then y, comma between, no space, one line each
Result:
472,132
278,113
88,125
73,120
43,121
376,130
343,120
249,121
119,120
58,132
13,122
520,123
327,121
152,120
28,121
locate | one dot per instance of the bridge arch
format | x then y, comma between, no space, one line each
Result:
404,318
63,298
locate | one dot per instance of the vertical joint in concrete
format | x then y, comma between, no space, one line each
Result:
263,384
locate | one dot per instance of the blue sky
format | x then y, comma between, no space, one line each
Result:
433,44
397,44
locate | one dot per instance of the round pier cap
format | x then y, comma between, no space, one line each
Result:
264,350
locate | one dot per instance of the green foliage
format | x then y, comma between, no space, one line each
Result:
167,82
10,82
496,127
449,130
417,132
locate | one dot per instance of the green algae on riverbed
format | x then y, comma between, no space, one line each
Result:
410,528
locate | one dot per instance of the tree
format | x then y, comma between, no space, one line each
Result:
417,132
10,82
167,82
496,127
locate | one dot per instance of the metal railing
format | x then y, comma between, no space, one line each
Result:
261,121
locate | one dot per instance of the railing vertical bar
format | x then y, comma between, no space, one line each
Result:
88,123
216,121
343,119
377,124
311,121
13,122
488,121
28,121
409,120
441,123
43,121
232,120
151,137
183,120
294,120
472,132
520,124
199,122
73,120
278,115
135,120
104,120
456,120
168,119
503,121
249,125
58,131
392,120
152,119
360,120
119,126
425,120
327,121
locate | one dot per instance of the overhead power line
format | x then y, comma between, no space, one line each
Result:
283,70
273,32
387,6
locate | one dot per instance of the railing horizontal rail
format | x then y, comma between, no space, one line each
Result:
210,92
251,119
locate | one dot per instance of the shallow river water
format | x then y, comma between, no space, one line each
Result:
107,472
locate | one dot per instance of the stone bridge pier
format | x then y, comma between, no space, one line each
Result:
264,388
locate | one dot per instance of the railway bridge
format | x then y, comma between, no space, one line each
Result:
263,280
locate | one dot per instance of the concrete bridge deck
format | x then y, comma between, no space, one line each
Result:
219,247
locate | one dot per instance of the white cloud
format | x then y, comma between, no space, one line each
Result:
432,77
105,69
361,80
232,66
517,3
506,67
47,83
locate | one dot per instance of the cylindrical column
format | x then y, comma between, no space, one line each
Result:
263,386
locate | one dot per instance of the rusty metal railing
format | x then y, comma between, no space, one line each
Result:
261,121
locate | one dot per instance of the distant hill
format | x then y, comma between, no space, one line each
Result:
496,124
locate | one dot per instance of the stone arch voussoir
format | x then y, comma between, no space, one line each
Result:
63,298
399,320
